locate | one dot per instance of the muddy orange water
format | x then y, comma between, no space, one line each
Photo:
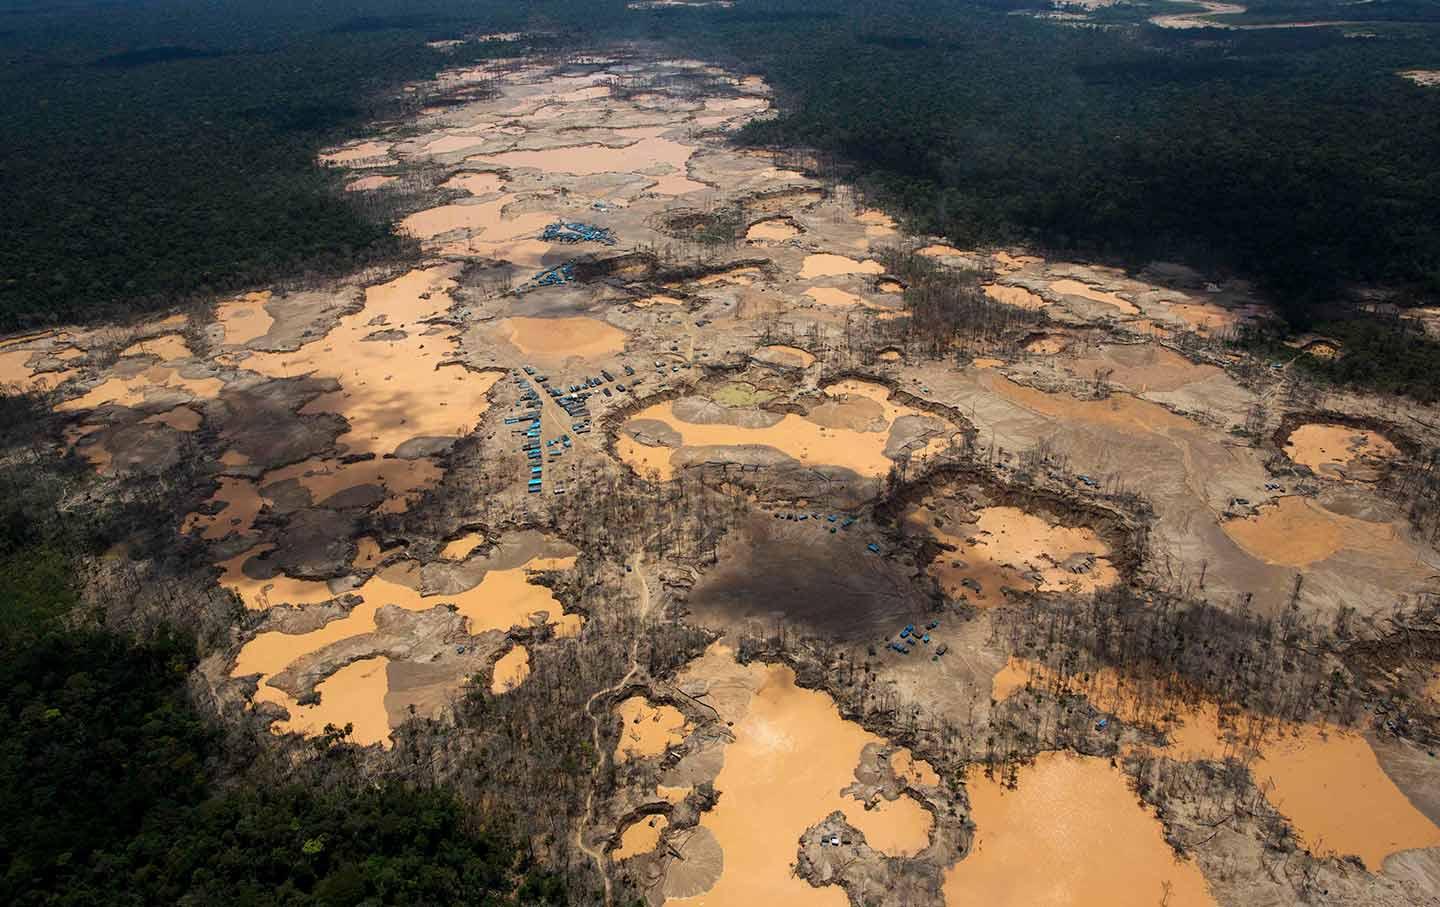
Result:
1297,532
502,599
561,338
260,594
245,318
1009,262
1017,550
647,730
1071,834
833,297
356,153
181,418
791,354
392,390
486,220
15,372
132,391
987,362
1016,296
584,160
792,756
475,183
511,670
1328,782
353,695
912,770
169,346
824,264
776,230
1076,288
402,480
459,549
640,837
797,436
1328,448
242,502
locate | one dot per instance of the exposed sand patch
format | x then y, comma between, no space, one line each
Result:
562,338
461,548
1076,288
824,264
647,730
169,346
890,286
245,318
1019,297
656,299
1428,78
1331,450
353,695
640,837
1048,345
393,388
511,670
792,756
774,230
1297,532
181,418
986,362
1077,818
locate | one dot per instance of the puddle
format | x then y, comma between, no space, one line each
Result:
511,670
355,694
833,297
791,757
1019,297
640,837
475,183
775,230
1297,532
1071,834
586,160
1076,288
245,319
166,347
1333,450
805,440
181,418
463,547
647,730
434,399
133,391
824,264
1017,550
242,502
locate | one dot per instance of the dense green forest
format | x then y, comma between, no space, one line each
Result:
155,149
115,791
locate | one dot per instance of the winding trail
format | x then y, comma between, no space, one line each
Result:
598,856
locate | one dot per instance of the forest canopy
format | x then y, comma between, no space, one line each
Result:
151,157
